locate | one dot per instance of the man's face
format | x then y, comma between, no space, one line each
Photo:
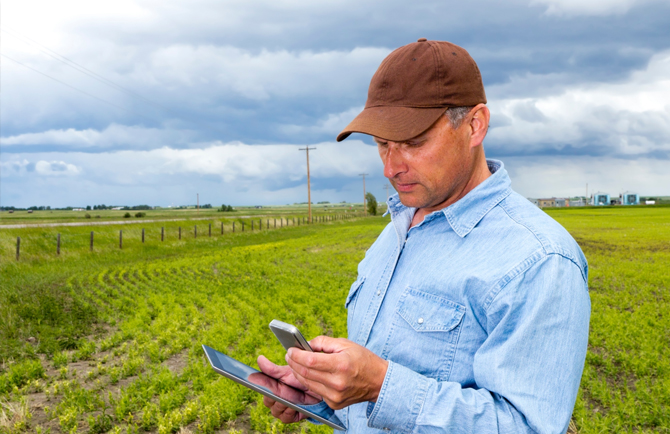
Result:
431,168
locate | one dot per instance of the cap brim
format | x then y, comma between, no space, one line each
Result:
393,123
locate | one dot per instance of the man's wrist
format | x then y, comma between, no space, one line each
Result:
379,380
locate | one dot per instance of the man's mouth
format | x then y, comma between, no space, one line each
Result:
405,187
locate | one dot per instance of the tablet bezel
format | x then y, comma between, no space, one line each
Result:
263,391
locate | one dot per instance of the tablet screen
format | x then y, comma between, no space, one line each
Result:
266,385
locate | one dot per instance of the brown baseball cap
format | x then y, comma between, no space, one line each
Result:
414,86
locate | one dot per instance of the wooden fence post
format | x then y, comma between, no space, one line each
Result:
142,235
91,241
267,226
58,245
281,222
221,228
210,229
18,247
195,231
163,233
252,226
260,224
121,239
293,221
275,223
180,232
233,227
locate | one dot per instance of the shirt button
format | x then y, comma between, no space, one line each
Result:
420,321
379,292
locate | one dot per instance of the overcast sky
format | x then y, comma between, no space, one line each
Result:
215,97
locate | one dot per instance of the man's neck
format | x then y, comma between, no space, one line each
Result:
479,175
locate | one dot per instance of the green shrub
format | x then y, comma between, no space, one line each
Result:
127,215
20,373
140,214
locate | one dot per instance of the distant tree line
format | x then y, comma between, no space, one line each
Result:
225,208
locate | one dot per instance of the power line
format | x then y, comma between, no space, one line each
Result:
71,63
78,90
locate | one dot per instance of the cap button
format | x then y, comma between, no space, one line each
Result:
421,40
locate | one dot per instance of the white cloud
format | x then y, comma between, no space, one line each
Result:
114,136
331,124
222,172
563,176
588,7
627,118
230,162
56,168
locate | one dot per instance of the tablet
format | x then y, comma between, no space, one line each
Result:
266,385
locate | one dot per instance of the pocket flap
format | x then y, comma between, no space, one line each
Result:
429,313
354,289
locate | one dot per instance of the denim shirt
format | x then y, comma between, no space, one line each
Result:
482,311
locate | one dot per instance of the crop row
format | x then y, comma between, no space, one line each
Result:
148,372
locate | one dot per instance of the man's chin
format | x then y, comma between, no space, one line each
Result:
410,200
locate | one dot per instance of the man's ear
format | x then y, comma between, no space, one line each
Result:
479,124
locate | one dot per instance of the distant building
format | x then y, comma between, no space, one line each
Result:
578,202
629,198
534,202
545,203
600,199
117,208
561,202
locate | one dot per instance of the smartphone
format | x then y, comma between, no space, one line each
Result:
289,335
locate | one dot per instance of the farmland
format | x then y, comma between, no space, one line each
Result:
109,340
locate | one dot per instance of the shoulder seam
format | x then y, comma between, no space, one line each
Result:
504,208
522,268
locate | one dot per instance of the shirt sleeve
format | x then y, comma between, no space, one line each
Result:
527,371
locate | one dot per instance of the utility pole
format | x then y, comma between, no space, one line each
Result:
386,187
309,192
198,201
365,201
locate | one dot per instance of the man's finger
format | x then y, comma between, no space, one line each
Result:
316,361
312,374
269,368
325,344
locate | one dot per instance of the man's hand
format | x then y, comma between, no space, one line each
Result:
285,375
342,372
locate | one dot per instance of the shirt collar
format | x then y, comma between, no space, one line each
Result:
463,215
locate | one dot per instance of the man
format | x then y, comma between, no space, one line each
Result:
470,312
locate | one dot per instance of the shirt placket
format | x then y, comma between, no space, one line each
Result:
378,297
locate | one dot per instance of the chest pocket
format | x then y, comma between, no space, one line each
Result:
424,333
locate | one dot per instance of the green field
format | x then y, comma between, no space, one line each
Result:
109,340
96,216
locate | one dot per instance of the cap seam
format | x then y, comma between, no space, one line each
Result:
437,70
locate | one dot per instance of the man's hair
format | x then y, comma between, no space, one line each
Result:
457,114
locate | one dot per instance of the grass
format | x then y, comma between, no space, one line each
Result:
626,382
97,216
116,333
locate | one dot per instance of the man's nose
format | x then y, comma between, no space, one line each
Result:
393,161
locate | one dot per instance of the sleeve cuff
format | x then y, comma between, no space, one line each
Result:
400,400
